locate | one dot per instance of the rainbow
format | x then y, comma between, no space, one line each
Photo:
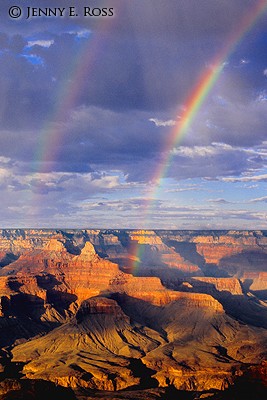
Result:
77,72
204,86
193,104
54,129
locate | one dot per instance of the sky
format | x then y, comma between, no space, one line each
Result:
91,109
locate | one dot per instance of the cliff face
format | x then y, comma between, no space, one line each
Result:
228,285
224,253
107,310
52,275
179,343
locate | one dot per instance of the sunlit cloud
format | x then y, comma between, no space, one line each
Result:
255,178
259,200
159,122
42,43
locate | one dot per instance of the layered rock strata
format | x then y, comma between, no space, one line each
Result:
75,315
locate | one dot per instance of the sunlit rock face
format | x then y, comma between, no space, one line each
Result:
156,312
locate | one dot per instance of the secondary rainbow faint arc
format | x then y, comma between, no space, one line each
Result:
195,101
54,128
79,69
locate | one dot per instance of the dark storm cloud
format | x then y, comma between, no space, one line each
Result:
148,59
24,90
138,67
174,16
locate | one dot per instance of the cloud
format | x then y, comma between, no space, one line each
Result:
159,122
209,162
83,199
202,151
80,33
33,59
219,201
262,96
42,43
251,186
244,61
76,100
185,189
259,200
255,178
79,185
5,160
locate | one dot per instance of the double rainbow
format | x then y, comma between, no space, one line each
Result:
193,104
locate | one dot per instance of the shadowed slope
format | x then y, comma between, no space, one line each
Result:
189,344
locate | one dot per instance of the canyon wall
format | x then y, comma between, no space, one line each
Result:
90,308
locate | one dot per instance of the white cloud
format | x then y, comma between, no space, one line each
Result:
255,178
42,43
4,160
251,186
83,33
5,175
219,201
159,122
259,200
262,97
12,179
202,151
265,72
178,190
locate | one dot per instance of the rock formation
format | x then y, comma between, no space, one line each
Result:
161,312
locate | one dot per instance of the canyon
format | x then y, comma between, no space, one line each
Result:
132,314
